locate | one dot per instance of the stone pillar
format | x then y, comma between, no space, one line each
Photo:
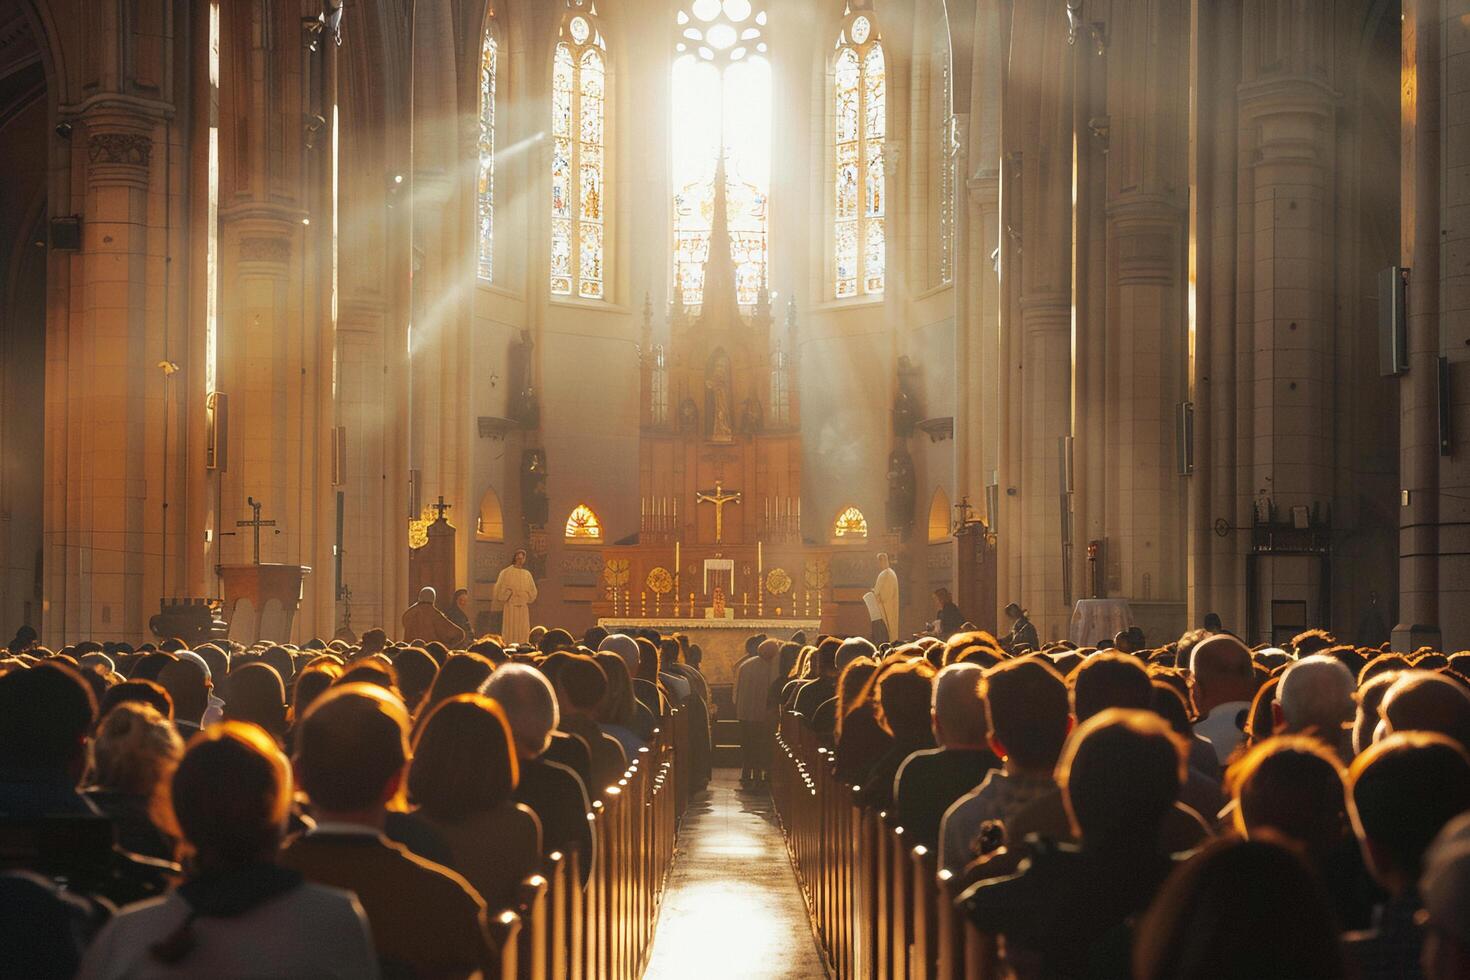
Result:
105,395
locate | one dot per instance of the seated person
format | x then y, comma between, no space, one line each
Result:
1065,912
239,914
554,792
463,780
932,779
905,692
351,752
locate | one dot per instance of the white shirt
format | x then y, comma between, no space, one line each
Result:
1221,728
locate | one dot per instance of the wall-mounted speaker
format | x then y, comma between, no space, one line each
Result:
1393,327
216,431
66,233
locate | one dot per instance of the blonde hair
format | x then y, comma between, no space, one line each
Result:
136,750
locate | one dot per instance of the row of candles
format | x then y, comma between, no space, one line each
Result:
805,605
658,515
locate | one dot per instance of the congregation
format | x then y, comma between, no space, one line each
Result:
1198,809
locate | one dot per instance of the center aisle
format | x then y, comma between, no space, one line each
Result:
733,907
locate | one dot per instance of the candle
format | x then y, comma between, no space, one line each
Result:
676,571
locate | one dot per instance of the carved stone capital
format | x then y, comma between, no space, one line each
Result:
123,149
277,250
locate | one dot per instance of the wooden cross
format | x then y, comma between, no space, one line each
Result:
719,497
441,507
255,523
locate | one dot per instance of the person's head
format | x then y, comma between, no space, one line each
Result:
669,652
1027,712
625,647
1109,680
1213,623
1291,786
416,672
311,682
555,639
351,748
529,704
150,665
1445,891
46,713
1222,671
647,660
254,693
1367,721
462,673
519,558
618,706
1123,642
826,658
1239,908
462,598
427,594
464,759
1014,610
372,670
1421,701
1312,641
904,694
581,685
958,712
187,685
373,640
883,561
942,597
1120,772
231,794
1401,791
850,684
150,693
1315,696
280,658
135,751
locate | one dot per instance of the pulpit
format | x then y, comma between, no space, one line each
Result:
261,600
432,564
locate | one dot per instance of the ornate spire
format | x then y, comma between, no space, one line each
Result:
719,269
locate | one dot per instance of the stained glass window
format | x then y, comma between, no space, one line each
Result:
721,101
948,153
578,155
851,524
859,103
583,525
485,191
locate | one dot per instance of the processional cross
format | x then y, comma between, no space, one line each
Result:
719,497
255,523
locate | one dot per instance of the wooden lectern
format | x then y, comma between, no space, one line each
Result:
433,564
261,600
975,565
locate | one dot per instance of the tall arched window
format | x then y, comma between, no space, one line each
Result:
578,117
485,190
721,100
859,93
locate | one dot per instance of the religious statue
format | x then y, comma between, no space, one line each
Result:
515,589
901,491
534,502
750,416
906,410
718,399
688,416
523,407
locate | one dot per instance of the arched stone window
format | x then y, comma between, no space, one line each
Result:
583,527
860,119
939,517
485,185
850,525
578,154
490,523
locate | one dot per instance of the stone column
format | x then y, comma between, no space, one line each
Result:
103,520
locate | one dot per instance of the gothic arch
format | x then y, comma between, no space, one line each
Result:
939,517
490,522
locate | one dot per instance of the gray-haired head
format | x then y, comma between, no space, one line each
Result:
529,704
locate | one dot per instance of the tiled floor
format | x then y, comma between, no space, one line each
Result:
733,908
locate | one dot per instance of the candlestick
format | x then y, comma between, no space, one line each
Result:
676,572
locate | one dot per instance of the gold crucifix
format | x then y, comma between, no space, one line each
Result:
719,497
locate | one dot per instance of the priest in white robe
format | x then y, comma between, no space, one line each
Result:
885,591
515,589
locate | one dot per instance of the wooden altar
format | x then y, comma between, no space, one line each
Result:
720,476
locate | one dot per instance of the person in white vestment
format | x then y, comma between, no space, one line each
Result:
516,590
885,594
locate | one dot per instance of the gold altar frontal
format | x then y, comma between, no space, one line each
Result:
722,641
